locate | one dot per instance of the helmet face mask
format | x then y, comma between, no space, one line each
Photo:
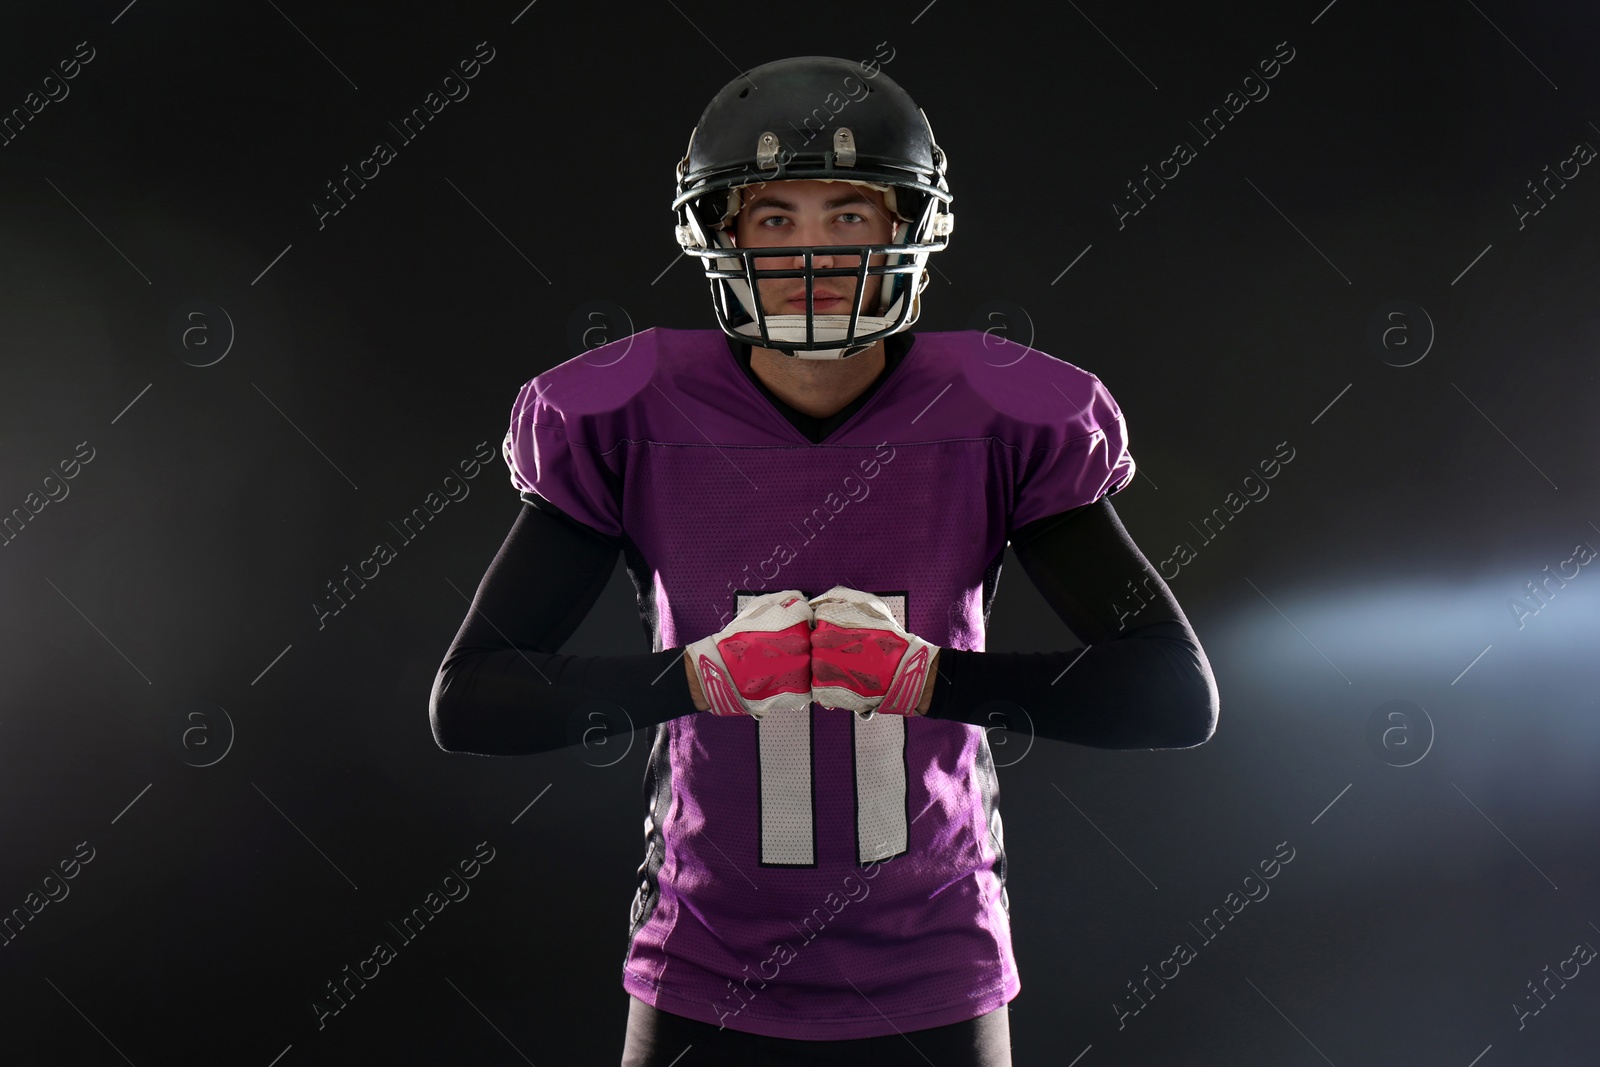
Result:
772,268
883,141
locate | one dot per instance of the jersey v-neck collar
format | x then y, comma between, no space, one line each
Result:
814,429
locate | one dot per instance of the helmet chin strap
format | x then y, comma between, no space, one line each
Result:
792,328
829,353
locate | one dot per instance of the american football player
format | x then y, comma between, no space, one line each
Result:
813,503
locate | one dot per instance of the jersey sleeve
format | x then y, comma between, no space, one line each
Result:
1076,459
555,458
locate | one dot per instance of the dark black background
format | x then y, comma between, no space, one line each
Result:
378,352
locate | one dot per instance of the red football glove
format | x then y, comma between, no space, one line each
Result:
862,659
761,660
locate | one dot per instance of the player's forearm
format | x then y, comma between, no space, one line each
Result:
696,695
506,701
1151,688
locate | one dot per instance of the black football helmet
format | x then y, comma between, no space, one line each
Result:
798,119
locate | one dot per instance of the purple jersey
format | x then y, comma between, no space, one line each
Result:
815,875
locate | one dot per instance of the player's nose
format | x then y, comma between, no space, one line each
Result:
824,253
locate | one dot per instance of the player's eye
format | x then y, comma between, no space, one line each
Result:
853,215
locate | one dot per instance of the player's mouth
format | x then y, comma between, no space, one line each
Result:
821,301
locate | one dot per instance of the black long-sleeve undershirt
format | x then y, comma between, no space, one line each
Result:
1142,681
504,689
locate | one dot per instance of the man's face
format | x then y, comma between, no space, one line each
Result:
794,213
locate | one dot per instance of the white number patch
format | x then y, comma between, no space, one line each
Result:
788,806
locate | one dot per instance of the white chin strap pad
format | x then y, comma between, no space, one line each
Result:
792,328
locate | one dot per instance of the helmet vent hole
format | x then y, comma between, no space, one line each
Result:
744,92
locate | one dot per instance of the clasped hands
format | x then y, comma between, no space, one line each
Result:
842,649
